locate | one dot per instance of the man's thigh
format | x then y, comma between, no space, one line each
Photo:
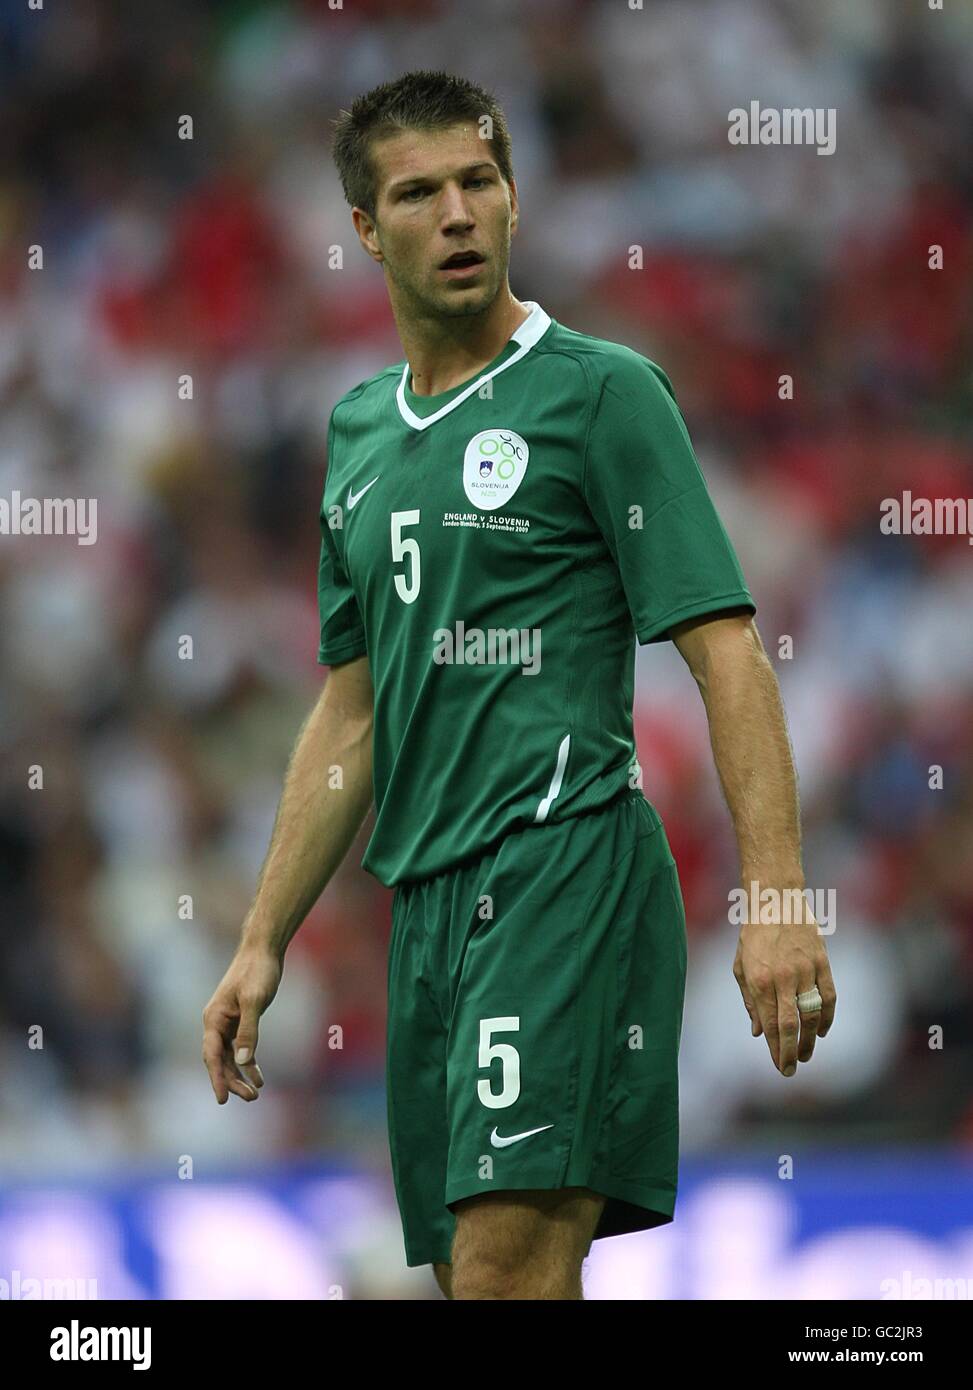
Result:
523,1245
511,1230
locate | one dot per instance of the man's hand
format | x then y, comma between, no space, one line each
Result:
230,1022
774,964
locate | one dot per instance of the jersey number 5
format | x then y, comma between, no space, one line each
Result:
402,549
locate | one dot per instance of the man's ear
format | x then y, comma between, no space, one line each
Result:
367,233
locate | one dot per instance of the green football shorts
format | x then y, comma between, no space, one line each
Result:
535,1010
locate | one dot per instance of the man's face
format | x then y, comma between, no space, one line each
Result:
440,193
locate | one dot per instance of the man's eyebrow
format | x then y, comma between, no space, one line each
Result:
426,178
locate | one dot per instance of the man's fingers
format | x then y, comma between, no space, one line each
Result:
809,1032
771,973
251,1072
242,1088
829,998
810,1021
213,1057
765,1000
239,1084
788,1025
218,1054
245,1043
748,1004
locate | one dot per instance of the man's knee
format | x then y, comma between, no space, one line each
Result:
523,1244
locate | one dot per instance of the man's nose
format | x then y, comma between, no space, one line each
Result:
456,210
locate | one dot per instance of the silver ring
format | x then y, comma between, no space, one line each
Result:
810,1002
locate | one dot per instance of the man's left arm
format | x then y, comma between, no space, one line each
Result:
775,961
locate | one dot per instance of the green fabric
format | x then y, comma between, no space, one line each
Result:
554,501
539,989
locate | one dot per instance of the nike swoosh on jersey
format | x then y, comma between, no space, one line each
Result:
499,1143
355,497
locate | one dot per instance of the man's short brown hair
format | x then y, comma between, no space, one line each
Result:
415,101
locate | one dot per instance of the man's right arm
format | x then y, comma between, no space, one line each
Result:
316,823
315,826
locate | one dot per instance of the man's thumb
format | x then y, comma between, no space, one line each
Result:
245,1044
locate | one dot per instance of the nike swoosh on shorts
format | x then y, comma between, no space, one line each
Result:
499,1143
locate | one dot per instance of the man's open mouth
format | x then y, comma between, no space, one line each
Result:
462,258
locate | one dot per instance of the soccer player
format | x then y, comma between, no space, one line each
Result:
505,512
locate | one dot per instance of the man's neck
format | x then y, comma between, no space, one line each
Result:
444,352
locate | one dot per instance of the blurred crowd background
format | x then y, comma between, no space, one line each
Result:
216,257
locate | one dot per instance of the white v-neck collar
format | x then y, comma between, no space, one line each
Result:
533,327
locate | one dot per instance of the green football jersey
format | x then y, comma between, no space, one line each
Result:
496,550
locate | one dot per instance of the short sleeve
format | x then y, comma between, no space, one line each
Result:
649,499
342,629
